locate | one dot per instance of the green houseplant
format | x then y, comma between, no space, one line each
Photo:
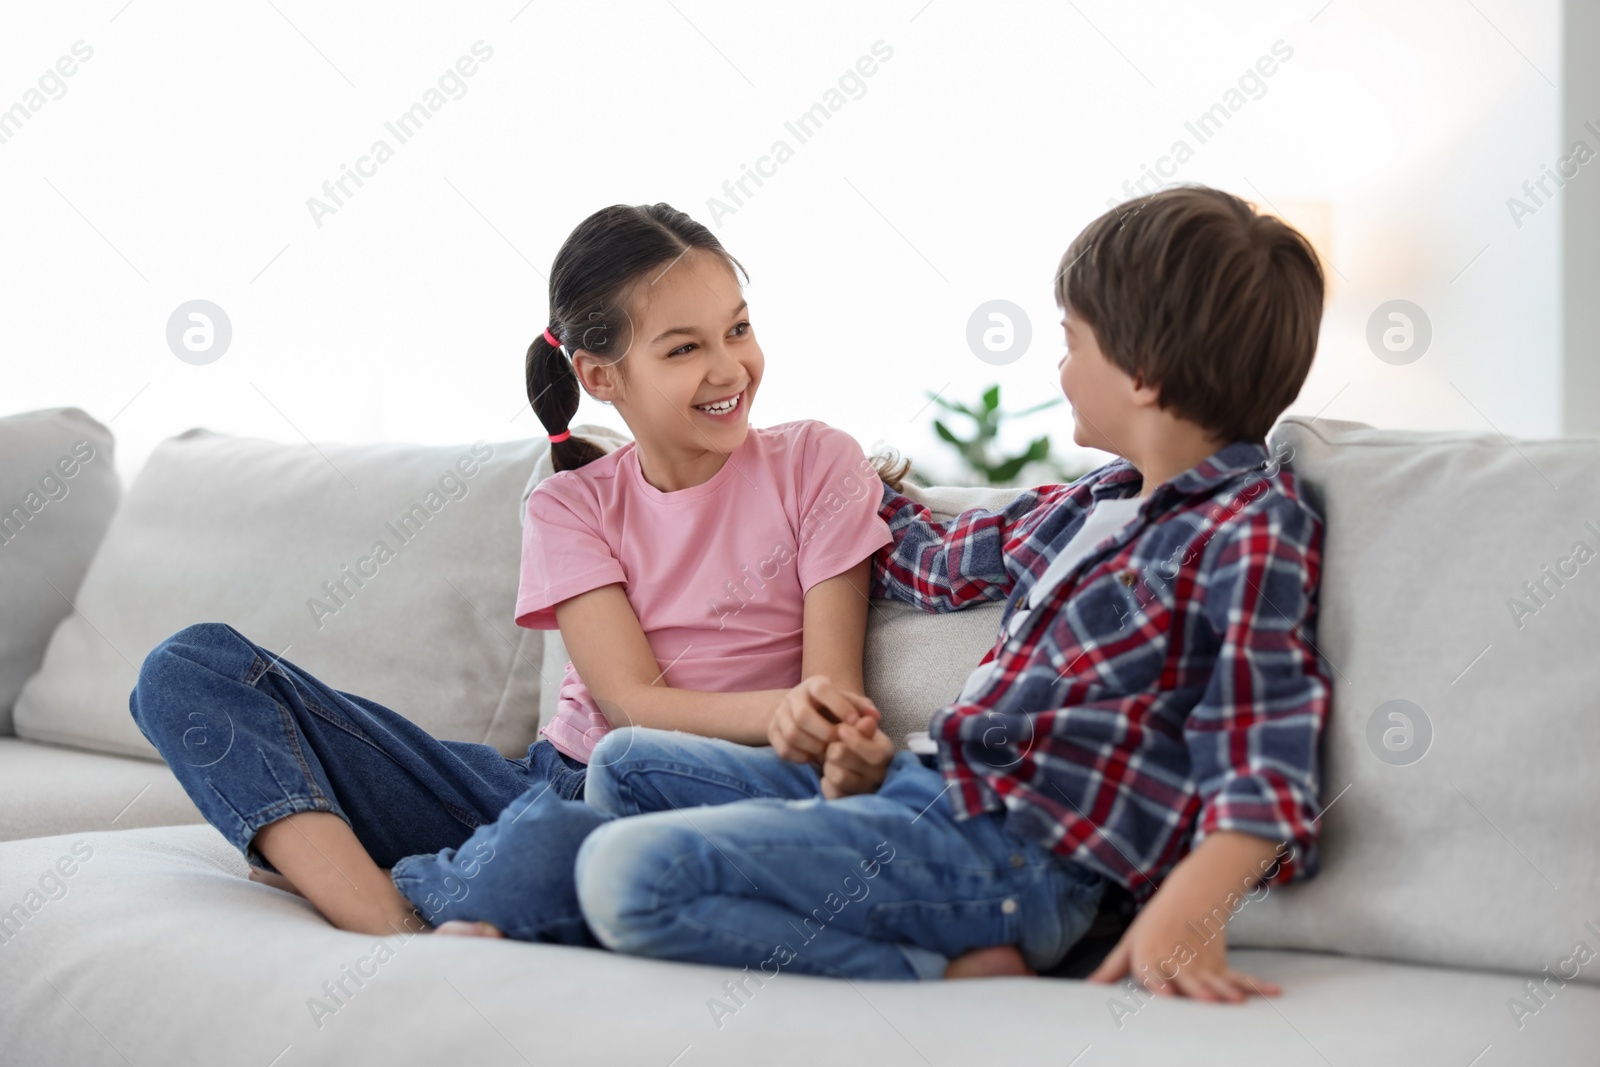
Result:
979,449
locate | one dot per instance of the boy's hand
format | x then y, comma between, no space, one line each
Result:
1163,953
806,720
858,761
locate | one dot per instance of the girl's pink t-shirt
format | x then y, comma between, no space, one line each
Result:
717,573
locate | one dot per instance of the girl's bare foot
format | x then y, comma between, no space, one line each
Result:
467,928
319,853
276,881
993,962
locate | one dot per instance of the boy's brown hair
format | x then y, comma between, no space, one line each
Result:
1213,304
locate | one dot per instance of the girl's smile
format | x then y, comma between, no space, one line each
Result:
724,409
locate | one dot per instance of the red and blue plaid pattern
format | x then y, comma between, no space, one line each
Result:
1167,688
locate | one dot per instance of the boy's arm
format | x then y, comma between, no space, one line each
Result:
1253,745
1178,942
946,566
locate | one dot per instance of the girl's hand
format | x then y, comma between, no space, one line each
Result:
858,761
805,720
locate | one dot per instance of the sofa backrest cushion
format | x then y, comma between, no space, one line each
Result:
386,570
1459,611
58,490
916,662
555,652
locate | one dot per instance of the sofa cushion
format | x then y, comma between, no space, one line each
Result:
58,489
917,662
1458,611
386,570
155,949
47,790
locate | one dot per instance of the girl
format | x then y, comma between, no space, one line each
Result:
708,577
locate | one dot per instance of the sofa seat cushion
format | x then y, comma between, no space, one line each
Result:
47,790
156,949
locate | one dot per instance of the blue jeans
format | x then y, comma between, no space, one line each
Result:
517,871
253,739
885,885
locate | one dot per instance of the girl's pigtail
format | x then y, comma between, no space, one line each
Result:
892,468
554,391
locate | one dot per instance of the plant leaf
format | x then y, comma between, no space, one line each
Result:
1008,470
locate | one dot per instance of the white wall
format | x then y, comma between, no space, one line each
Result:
1580,231
179,162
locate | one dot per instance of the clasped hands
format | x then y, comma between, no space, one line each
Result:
836,731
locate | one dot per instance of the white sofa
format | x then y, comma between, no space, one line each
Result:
130,935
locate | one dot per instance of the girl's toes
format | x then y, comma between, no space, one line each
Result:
468,928
996,961
276,881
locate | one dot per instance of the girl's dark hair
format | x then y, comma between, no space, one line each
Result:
589,283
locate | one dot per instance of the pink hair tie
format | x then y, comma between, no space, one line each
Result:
557,438
555,342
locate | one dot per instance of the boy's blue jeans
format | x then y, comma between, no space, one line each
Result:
883,885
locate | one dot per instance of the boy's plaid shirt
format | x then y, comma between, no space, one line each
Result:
1167,688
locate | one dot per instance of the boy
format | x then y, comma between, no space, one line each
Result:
1147,722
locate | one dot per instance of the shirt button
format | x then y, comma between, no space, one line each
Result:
1017,860
1009,906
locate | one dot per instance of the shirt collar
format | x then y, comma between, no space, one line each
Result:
1123,478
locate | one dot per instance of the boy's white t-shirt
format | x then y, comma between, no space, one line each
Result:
1105,518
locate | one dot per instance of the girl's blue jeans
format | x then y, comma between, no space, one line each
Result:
733,858
468,832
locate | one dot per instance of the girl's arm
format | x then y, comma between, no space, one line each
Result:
613,657
835,634
856,755
835,628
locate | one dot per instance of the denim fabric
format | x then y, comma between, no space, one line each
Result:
253,738
516,871
886,885
637,769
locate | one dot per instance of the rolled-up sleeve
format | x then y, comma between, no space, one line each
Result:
1253,739
946,566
